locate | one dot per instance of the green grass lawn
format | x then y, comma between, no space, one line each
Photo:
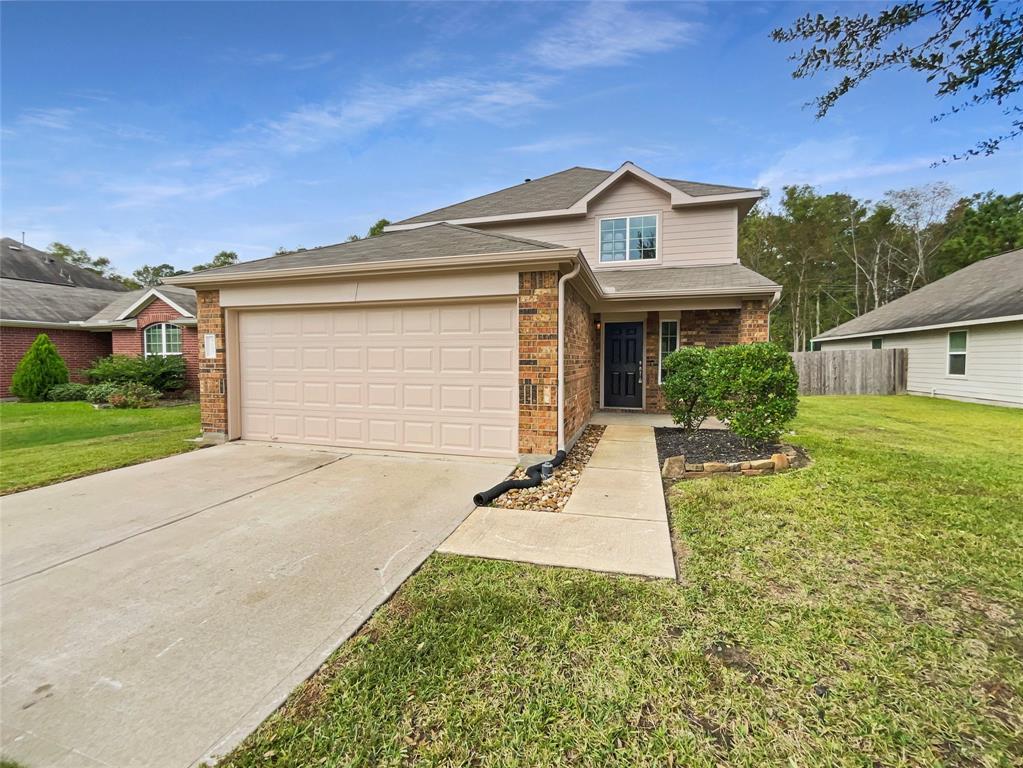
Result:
865,611
43,443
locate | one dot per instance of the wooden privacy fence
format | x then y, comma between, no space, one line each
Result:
852,372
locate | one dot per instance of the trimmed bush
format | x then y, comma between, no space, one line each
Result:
161,373
41,369
99,393
66,393
133,395
685,386
753,387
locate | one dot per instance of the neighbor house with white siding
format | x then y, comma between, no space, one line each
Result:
964,333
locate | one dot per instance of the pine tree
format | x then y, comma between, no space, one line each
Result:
41,368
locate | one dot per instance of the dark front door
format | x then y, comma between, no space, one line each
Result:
623,365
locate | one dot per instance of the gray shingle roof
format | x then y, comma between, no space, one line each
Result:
23,262
554,192
436,241
992,287
48,303
183,297
721,277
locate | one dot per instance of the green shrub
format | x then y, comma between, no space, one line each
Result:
685,385
133,394
66,393
753,387
41,369
99,393
160,373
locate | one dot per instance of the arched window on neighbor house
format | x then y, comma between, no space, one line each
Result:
162,339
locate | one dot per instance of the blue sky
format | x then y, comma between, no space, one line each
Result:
165,132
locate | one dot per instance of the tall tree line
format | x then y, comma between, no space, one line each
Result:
838,257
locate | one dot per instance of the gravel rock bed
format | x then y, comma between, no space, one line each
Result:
705,445
554,494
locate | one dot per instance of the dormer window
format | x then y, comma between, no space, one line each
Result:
630,238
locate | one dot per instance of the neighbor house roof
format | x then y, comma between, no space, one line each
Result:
987,289
27,301
23,262
122,311
435,241
558,191
714,279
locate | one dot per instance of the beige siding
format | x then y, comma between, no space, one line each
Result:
687,236
994,362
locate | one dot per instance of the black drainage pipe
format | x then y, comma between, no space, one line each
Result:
532,480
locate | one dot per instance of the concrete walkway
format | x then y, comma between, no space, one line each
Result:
614,521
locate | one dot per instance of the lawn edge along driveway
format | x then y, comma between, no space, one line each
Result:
46,443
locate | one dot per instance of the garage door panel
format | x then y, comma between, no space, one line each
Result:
422,378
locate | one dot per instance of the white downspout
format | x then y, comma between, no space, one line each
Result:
561,352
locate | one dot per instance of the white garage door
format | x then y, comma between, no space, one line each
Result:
435,378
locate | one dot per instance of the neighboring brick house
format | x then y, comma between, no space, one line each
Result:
492,327
79,311
153,321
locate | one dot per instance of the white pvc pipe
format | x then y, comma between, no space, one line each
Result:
561,352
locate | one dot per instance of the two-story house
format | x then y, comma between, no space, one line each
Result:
492,327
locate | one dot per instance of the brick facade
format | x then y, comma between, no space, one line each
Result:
212,372
753,322
129,341
78,348
582,363
538,362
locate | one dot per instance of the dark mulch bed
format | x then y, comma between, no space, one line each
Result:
704,445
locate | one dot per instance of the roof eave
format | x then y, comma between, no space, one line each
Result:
918,328
441,263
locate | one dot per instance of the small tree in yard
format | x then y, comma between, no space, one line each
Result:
685,386
41,368
754,387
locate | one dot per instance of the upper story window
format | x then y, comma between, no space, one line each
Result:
875,343
957,353
162,339
630,238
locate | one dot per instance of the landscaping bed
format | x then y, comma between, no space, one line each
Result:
702,445
553,495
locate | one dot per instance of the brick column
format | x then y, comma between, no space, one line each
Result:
753,322
538,362
212,372
654,402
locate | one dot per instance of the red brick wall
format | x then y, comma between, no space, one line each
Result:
212,372
129,341
699,327
538,362
78,348
582,363
753,322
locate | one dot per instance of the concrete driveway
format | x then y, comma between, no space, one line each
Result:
154,615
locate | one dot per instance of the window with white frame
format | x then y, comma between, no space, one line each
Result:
162,339
669,343
875,343
631,238
957,353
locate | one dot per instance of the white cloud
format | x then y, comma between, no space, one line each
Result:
831,163
134,194
58,118
553,144
605,34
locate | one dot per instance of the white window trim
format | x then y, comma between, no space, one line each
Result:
964,353
660,337
879,340
163,341
619,264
